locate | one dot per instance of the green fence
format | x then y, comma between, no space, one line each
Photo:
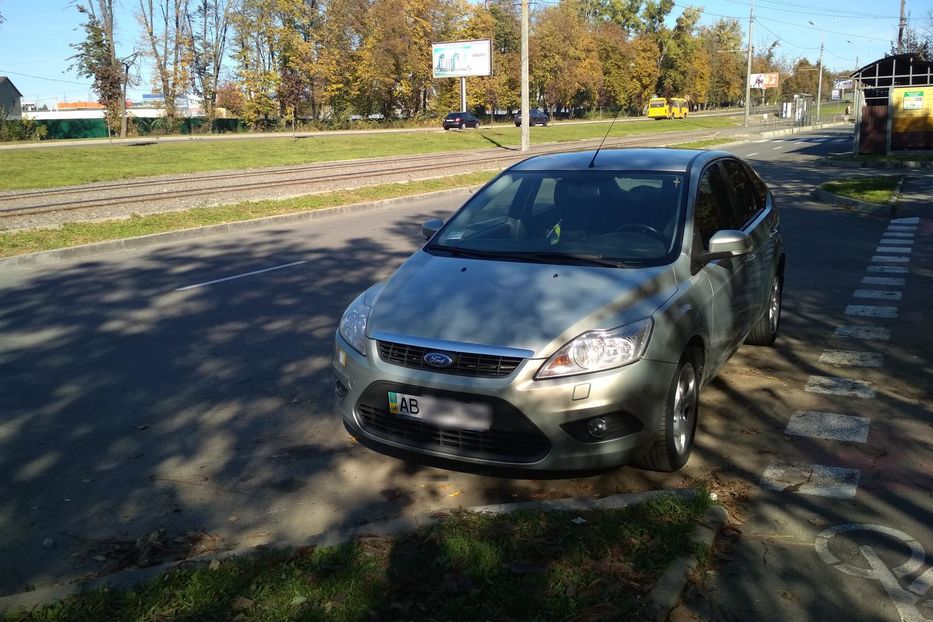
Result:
96,128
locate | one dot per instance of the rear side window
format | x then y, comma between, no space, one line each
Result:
713,212
761,190
746,203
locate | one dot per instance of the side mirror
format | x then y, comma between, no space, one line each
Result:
728,243
431,227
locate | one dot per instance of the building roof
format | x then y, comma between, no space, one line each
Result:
4,79
896,70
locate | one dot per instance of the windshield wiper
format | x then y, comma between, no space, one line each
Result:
462,252
536,257
592,260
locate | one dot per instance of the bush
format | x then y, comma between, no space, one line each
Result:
21,129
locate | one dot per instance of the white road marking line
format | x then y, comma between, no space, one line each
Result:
895,242
828,426
884,280
899,229
751,154
852,359
240,276
888,269
832,385
811,479
897,234
913,220
778,147
876,294
897,250
766,140
889,259
871,311
798,144
863,332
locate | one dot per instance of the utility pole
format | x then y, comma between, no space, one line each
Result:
819,87
526,113
902,22
748,68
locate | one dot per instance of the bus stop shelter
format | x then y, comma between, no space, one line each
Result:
894,105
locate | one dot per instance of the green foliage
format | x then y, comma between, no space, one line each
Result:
20,129
95,58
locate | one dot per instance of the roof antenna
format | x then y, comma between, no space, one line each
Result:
593,161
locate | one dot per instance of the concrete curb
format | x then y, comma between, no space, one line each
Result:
801,129
883,164
674,582
156,239
667,591
854,205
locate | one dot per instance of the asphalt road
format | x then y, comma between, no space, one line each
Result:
150,390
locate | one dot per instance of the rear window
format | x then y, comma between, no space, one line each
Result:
658,104
451,116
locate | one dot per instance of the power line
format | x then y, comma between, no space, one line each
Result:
26,75
798,11
781,39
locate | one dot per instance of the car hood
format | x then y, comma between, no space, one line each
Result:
529,306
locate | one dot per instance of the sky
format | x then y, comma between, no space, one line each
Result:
35,36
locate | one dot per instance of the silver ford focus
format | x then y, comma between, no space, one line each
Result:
567,316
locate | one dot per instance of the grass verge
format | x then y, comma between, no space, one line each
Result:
75,234
528,565
878,189
704,144
51,167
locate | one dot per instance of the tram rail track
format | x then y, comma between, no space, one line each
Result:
233,185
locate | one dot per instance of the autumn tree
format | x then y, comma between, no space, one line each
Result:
96,58
721,48
208,23
566,71
254,50
168,43
342,29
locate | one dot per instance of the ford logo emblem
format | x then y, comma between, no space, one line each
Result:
438,359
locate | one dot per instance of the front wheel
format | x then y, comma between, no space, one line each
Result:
765,330
674,435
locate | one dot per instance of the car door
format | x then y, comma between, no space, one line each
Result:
755,221
728,310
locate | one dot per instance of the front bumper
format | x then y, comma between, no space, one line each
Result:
538,425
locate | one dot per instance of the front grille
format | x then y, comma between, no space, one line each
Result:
511,438
465,364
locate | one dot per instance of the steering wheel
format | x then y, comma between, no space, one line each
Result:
643,228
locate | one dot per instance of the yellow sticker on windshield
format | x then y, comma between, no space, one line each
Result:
554,234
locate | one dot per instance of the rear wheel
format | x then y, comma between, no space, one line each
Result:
765,330
673,440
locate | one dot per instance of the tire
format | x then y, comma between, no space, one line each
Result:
673,441
460,127
765,330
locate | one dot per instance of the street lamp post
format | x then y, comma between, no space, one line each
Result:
819,87
748,67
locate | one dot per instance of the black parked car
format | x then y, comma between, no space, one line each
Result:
536,117
460,120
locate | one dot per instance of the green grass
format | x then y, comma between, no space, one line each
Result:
704,144
523,566
878,189
75,234
62,166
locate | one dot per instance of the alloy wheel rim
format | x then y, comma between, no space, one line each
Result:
774,307
684,407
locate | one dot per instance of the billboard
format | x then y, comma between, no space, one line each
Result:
763,80
846,85
461,59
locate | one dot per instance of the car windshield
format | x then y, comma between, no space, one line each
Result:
613,218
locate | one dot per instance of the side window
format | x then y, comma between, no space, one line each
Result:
761,190
746,205
712,212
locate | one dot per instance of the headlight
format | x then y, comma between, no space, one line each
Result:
597,350
353,324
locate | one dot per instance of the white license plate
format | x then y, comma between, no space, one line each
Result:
441,412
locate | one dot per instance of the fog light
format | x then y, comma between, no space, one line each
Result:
340,389
597,427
